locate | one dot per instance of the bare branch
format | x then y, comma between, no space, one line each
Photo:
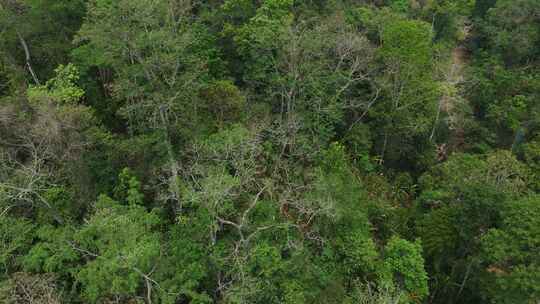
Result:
28,59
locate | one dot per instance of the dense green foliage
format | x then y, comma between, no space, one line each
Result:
270,151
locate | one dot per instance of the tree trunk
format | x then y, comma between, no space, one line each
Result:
27,57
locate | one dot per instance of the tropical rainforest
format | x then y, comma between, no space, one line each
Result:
269,151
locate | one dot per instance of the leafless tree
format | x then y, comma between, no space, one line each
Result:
24,288
36,143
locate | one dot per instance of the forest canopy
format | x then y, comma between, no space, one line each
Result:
269,151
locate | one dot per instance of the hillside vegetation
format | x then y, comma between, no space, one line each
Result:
269,151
